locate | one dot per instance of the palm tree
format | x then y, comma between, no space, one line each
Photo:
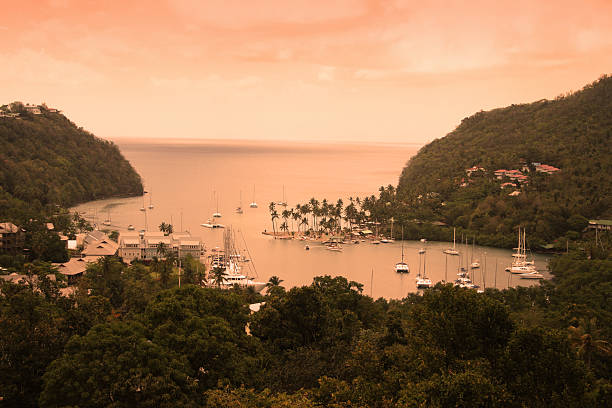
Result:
304,222
583,337
161,250
274,281
286,214
163,227
284,226
273,216
295,215
217,276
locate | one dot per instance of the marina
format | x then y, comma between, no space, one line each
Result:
222,173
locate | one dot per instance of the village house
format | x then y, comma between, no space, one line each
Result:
33,109
12,238
75,268
474,169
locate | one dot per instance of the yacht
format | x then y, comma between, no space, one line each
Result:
453,250
422,251
230,260
239,208
150,201
217,214
424,283
333,247
475,264
130,227
402,267
212,224
520,265
253,203
531,275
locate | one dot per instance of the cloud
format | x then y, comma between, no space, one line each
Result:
38,67
212,81
326,73
240,14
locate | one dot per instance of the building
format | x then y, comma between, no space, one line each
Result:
33,109
12,238
605,225
75,268
148,245
96,243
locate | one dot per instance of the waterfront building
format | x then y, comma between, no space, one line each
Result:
148,245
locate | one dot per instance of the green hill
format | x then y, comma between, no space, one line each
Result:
47,161
572,133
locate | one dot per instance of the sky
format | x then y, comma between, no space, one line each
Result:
397,71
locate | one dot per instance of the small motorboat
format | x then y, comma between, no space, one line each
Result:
307,248
130,227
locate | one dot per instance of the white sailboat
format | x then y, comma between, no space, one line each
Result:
151,201
239,208
423,282
520,265
217,214
231,261
453,250
253,203
282,203
402,267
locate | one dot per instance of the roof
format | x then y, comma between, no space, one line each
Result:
601,222
8,227
103,248
75,266
130,241
189,242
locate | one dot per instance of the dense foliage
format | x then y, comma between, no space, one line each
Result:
572,132
46,160
124,340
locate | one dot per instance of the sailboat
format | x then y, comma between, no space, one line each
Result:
389,240
231,261
282,203
402,267
520,265
150,201
475,262
452,251
423,282
253,203
107,221
239,208
217,214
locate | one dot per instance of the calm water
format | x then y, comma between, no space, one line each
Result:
187,179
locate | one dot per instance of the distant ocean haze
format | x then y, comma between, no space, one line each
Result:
188,180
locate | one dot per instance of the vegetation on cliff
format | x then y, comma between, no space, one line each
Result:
572,132
47,161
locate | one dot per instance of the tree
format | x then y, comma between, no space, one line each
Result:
584,337
127,368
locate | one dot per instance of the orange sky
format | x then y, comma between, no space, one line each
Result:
375,70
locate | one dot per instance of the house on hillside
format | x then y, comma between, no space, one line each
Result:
75,268
33,109
12,238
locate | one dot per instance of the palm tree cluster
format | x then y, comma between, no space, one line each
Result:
167,229
318,217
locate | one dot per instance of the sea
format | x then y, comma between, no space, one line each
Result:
189,180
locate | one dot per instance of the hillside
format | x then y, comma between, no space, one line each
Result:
47,160
571,133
